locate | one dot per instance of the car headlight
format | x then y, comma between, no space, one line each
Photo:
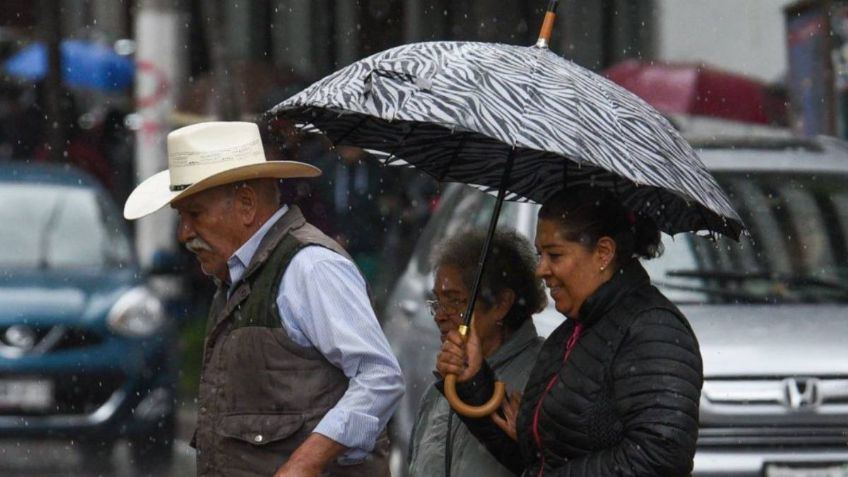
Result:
137,313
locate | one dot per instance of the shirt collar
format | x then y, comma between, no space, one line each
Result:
238,262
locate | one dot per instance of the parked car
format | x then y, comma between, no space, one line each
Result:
86,349
770,312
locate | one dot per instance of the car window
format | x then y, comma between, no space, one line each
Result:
57,226
795,250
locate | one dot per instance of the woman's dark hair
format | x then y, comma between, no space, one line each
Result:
510,265
585,214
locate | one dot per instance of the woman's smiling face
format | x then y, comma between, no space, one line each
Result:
571,271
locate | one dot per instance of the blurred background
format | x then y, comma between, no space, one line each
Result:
96,85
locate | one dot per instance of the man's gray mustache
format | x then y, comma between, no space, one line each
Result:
196,245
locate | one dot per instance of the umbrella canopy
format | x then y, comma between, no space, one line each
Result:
462,111
84,65
700,90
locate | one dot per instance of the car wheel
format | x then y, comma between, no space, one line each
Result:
155,450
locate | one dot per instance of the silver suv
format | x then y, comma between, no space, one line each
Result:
770,312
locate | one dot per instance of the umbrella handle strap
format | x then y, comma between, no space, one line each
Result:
475,412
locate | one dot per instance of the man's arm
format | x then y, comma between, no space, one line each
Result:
311,457
324,304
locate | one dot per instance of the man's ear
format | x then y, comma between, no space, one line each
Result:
246,203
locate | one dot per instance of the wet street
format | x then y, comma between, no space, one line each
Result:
55,458
58,458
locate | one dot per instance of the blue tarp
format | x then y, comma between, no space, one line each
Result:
84,64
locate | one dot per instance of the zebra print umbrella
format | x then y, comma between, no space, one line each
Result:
461,111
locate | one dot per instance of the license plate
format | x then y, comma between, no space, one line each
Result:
26,394
806,470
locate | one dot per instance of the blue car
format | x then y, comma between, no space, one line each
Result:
87,351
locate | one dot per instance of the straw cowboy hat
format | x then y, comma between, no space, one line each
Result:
206,155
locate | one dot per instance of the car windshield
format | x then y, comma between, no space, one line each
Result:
59,226
795,250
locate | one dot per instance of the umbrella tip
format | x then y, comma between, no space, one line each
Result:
547,25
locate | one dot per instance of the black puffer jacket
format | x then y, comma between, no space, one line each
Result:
624,403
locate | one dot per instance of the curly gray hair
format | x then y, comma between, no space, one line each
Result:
511,265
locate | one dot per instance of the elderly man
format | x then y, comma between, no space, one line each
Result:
297,376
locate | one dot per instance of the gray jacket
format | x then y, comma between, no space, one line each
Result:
511,363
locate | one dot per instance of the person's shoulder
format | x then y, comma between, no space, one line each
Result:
315,255
659,326
660,314
645,304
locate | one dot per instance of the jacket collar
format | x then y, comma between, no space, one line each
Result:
523,337
292,219
223,305
630,276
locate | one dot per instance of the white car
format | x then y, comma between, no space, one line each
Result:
770,312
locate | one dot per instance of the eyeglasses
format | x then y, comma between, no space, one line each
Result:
449,307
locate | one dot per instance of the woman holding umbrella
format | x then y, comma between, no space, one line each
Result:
615,388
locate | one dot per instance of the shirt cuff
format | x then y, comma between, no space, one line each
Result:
358,432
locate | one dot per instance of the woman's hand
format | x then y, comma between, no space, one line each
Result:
510,411
460,357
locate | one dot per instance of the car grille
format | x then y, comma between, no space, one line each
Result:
792,411
22,340
774,436
73,394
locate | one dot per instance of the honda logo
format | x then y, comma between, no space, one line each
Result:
801,393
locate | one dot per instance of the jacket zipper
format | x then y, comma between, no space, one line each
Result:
572,340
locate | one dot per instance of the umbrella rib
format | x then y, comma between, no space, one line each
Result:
700,209
393,155
350,131
533,74
444,171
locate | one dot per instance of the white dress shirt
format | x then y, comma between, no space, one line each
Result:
323,304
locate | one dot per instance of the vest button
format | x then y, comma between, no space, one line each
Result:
258,438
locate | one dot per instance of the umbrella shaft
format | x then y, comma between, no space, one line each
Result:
487,246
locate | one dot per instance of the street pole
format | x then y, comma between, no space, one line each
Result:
160,66
51,30
347,35
226,108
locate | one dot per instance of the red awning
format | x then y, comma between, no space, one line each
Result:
700,90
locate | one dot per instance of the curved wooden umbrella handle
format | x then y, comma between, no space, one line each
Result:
473,411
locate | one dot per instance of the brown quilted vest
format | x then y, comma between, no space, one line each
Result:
261,394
